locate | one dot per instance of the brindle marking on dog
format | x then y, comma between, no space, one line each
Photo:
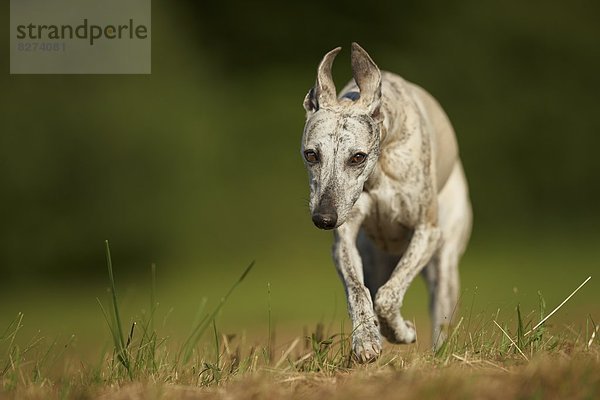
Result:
385,174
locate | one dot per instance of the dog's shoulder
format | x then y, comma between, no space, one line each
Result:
400,92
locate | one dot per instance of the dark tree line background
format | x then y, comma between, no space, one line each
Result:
200,160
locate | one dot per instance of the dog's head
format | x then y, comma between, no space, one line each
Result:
340,144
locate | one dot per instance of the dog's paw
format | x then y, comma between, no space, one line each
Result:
398,330
366,344
392,325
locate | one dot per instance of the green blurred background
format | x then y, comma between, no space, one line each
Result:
197,166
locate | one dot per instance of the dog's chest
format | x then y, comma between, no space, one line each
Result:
390,220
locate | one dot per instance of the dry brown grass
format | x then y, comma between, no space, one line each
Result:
560,375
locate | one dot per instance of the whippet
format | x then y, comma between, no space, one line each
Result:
385,175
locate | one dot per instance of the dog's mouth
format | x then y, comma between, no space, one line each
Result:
325,228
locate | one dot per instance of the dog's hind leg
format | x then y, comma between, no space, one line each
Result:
441,273
441,277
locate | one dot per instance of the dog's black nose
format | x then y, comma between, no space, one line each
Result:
325,221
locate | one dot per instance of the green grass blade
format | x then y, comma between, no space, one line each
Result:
109,323
196,335
217,346
113,291
118,329
153,303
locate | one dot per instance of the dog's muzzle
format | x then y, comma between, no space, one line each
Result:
325,216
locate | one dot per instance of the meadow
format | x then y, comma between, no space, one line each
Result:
258,334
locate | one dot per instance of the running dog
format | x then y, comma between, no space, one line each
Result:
386,177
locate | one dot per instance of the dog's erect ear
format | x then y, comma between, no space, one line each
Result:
368,79
310,101
323,94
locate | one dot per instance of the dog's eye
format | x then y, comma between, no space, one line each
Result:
358,158
311,157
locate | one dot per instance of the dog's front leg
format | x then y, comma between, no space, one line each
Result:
366,340
424,242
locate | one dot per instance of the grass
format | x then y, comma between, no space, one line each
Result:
485,356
